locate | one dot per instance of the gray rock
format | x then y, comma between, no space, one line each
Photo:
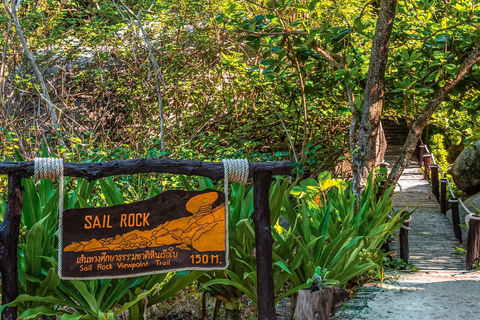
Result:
466,169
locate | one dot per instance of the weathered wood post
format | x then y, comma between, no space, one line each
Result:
427,162
435,185
9,231
404,251
421,152
456,219
443,196
473,244
318,302
263,245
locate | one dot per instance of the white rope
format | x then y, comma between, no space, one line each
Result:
407,221
234,170
52,168
470,215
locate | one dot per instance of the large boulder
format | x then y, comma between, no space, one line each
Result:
466,169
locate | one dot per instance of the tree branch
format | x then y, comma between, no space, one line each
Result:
422,119
326,55
43,85
156,68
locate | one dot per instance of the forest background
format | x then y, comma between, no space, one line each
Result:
278,80
207,80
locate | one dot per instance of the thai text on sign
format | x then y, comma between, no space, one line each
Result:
176,230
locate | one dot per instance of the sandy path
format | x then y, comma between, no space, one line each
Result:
442,289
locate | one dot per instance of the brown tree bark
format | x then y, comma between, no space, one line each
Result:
363,160
422,120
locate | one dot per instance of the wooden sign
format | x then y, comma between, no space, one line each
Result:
176,230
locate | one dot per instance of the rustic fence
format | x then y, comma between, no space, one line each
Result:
261,173
439,189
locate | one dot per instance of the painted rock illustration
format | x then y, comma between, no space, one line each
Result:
203,231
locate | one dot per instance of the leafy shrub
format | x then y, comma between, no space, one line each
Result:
42,292
328,232
437,147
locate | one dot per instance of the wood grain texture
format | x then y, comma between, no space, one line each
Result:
318,305
9,231
403,244
263,245
456,219
473,244
93,171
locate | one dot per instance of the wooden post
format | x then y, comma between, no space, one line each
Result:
427,162
421,152
263,245
443,196
473,243
456,219
9,231
318,304
435,185
403,243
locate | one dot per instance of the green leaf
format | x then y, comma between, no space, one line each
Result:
313,5
282,265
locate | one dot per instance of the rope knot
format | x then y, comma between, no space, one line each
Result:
48,168
236,170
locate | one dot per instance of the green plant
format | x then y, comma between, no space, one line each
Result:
399,263
437,147
241,276
327,232
41,290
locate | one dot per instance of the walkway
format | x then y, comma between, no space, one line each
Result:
442,288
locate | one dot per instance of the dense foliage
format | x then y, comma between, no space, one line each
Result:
323,239
262,80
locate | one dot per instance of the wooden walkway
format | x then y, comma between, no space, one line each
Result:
442,288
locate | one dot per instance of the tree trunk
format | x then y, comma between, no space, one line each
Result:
423,118
363,160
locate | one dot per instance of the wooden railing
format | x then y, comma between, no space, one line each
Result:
439,189
261,173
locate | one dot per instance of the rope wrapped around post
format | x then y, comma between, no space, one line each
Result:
235,170
52,168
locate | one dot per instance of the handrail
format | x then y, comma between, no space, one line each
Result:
470,214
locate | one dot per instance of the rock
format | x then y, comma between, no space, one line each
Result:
454,151
470,203
93,245
207,240
466,169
